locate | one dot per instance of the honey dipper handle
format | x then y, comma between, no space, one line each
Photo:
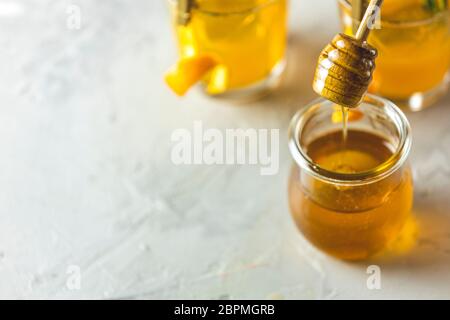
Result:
358,7
364,30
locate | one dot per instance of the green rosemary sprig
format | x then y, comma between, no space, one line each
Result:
436,5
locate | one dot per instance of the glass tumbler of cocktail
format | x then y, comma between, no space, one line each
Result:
234,48
413,44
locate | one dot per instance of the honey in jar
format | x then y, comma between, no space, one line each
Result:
350,195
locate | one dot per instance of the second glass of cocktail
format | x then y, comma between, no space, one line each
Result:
413,46
234,48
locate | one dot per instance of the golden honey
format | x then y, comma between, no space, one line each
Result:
247,39
351,223
351,194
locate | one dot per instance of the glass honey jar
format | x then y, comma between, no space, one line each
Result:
350,193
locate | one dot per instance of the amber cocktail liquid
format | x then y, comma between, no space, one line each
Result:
350,197
234,44
413,46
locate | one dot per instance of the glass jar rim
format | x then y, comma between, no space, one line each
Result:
381,171
251,9
405,24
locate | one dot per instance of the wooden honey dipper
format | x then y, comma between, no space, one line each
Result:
345,66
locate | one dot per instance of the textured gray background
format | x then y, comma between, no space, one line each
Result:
86,177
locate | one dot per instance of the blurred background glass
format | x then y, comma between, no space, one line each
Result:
235,47
413,45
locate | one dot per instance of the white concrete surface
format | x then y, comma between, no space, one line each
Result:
87,186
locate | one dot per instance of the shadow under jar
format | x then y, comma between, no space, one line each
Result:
350,197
